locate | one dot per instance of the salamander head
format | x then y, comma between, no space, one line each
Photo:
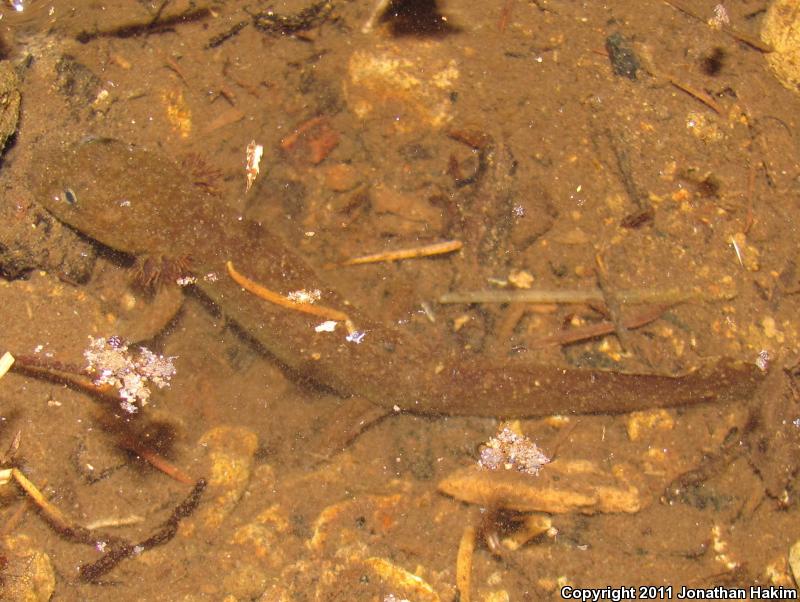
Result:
110,191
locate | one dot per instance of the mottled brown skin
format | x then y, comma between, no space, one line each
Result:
136,201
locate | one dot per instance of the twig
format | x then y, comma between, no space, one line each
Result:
612,303
226,118
9,525
264,293
695,93
57,519
95,570
53,514
580,296
73,377
466,550
751,41
375,15
171,64
65,374
438,248
513,315
502,23
645,208
290,140
591,331
104,523
154,459
121,548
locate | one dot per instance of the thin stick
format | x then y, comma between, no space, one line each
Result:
513,315
11,524
66,374
171,64
155,460
374,15
619,148
53,514
123,549
53,371
591,331
697,94
466,549
580,296
505,17
289,141
264,293
734,33
104,523
438,248
612,303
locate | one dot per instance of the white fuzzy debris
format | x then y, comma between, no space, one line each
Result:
253,154
762,361
720,18
327,326
509,450
130,373
357,336
304,296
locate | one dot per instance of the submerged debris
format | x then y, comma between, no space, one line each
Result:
326,326
438,248
509,450
305,296
310,17
624,61
356,336
253,154
130,373
6,361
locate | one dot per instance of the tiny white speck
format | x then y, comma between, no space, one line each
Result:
738,252
762,361
356,337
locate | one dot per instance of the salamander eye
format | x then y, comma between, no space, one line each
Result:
70,196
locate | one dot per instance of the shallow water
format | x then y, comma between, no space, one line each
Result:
508,130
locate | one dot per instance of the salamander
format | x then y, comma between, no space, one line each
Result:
138,202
